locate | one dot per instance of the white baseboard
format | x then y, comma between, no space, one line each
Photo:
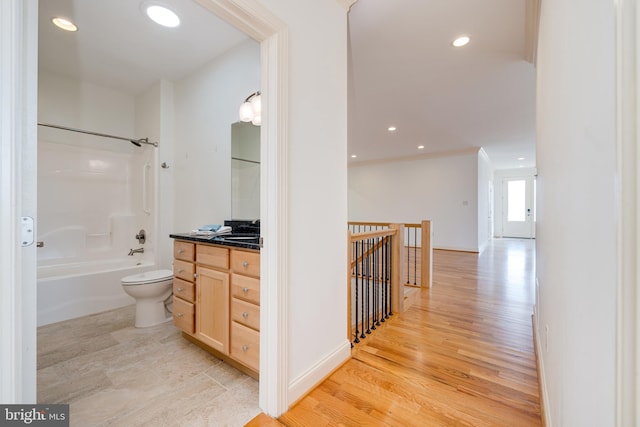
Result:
318,372
541,374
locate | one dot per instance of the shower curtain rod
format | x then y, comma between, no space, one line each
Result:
135,142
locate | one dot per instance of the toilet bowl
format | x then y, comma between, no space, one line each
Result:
150,290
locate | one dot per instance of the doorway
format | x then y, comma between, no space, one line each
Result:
518,207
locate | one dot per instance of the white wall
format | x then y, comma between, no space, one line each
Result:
317,183
576,228
206,104
89,196
485,200
155,120
441,189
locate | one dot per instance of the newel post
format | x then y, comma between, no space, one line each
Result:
397,288
426,263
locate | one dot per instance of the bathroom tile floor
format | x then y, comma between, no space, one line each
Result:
113,374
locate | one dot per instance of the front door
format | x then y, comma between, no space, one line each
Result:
518,207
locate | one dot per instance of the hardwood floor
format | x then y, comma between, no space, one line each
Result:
461,355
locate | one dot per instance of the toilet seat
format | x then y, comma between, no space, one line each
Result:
148,277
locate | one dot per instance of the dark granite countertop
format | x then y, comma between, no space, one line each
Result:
244,241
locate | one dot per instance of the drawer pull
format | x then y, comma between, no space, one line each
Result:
245,290
245,348
180,251
245,314
180,270
179,315
245,264
195,275
180,289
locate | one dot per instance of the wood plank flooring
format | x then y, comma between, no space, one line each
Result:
461,355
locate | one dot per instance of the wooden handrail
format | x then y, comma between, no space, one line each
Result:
373,224
354,237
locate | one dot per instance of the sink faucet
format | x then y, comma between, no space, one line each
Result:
136,251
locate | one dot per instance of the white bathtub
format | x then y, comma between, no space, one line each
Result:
67,291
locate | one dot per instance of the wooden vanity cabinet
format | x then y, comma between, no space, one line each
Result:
217,299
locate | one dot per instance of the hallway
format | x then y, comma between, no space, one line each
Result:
462,355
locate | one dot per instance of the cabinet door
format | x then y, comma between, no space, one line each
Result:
212,308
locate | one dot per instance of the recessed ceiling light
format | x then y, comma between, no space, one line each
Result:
64,24
391,128
420,147
353,156
520,158
461,41
162,16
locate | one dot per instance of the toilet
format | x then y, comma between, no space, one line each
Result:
150,290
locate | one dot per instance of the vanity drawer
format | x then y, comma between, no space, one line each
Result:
245,263
183,250
183,315
245,345
246,288
185,290
183,270
212,256
245,313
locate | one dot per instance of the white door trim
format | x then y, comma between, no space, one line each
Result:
628,233
18,115
259,23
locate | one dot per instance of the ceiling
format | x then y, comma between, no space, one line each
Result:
403,70
117,46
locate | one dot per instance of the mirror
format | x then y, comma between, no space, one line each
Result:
245,171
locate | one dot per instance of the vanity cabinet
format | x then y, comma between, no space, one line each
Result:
216,299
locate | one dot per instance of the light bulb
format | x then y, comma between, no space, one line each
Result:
256,104
246,112
257,120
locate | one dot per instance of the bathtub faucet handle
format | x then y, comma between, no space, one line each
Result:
141,236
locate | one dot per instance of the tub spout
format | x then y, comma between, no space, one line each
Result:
136,251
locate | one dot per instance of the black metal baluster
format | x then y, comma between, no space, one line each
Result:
383,278
415,255
362,293
369,266
375,279
390,283
357,340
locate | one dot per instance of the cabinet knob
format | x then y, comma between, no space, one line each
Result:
180,270
245,348
245,314
180,289
245,290
195,275
245,264
180,251
179,315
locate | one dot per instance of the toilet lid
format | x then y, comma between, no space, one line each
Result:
147,277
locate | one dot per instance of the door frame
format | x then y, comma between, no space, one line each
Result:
498,187
18,148
628,210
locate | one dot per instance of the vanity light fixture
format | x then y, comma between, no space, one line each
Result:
162,15
391,128
64,24
461,41
251,109
420,147
353,156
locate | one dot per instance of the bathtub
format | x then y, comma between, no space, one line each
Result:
70,290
